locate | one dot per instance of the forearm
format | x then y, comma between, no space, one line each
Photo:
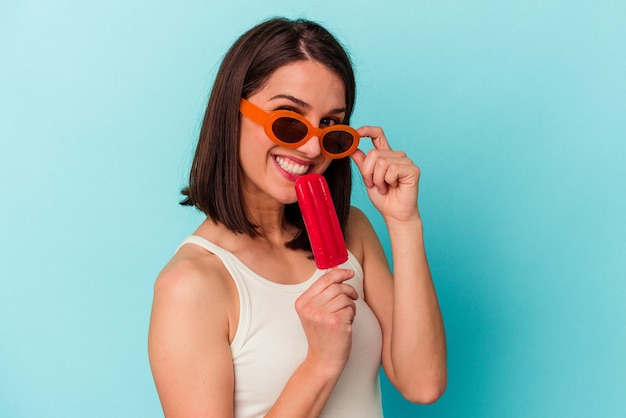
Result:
418,346
305,394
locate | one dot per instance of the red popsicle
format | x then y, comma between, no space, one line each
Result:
320,219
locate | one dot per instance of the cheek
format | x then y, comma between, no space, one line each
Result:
248,139
253,136
253,148
246,131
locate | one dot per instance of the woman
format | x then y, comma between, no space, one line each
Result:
243,323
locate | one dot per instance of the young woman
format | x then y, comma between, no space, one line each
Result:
243,323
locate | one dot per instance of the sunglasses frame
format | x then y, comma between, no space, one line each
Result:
265,119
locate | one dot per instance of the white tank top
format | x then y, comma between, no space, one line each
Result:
270,343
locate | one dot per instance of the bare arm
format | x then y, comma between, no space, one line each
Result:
189,343
414,347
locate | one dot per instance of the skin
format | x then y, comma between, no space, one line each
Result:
195,311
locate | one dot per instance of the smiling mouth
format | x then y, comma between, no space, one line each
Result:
291,167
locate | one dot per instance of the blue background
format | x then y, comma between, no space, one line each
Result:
515,111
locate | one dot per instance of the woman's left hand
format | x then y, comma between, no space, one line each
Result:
390,176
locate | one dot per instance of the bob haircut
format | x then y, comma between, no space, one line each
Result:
215,177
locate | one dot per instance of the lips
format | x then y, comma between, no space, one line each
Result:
291,167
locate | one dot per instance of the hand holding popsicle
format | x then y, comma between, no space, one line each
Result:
327,308
320,219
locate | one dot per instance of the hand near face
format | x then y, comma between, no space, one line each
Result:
390,176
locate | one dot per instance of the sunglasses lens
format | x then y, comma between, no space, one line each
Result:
336,142
289,130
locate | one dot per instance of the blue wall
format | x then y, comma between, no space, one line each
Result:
515,111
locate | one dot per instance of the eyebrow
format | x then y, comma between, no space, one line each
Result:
304,104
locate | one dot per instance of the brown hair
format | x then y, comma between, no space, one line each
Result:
215,177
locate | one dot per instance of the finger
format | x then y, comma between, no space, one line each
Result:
376,166
367,165
388,173
341,304
334,292
349,291
380,172
379,140
359,159
390,168
334,276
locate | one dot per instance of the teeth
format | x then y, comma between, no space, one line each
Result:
291,167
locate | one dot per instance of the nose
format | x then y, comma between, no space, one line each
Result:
311,148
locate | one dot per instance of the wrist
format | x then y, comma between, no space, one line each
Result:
328,372
409,220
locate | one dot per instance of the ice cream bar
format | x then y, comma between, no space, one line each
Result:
320,220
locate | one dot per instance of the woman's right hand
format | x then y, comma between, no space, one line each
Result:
327,310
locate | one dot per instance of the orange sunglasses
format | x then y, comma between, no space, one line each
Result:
290,129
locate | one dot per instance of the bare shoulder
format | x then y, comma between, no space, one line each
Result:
194,276
365,244
195,284
360,234
357,216
194,316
